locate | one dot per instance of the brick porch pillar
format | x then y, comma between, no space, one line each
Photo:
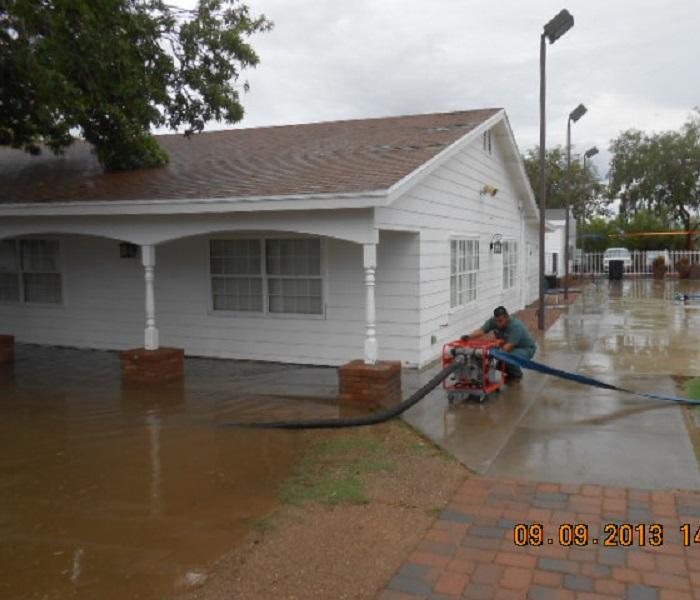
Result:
7,349
141,366
369,386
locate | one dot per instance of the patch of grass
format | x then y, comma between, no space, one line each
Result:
265,523
331,471
427,448
424,445
693,388
346,445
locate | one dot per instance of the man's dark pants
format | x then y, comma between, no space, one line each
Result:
514,370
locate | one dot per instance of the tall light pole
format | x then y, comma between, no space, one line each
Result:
586,155
553,30
574,116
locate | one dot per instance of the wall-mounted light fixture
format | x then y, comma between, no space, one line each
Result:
496,246
488,189
128,250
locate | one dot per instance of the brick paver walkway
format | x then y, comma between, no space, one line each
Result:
469,552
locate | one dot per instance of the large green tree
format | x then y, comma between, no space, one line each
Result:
659,172
110,70
595,235
587,198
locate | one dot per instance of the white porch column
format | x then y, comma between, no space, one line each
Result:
370,265
148,258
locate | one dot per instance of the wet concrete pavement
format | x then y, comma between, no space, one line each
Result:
629,333
117,494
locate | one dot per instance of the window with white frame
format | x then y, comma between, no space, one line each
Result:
30,271
486,140
271,275
510,263
464,271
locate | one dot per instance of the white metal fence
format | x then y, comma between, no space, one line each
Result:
638,262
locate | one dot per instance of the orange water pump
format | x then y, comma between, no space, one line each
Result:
479,376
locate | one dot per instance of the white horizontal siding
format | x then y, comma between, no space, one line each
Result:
104,299
447,203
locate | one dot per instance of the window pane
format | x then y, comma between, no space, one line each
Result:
235,257
314,264
315,306
9,287
276,304
315,287
42,287
8,256
464,268
295,295
294,257
289,305
39,256
237,293
510,262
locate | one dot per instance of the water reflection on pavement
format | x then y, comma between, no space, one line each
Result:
630,333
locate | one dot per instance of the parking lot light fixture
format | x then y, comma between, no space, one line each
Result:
574,116
553,30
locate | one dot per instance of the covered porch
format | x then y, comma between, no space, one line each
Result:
311,287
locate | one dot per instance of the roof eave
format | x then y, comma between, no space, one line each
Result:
325,201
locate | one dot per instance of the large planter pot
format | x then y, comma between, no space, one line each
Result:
683,267
658,268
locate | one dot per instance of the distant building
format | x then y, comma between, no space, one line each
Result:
554,241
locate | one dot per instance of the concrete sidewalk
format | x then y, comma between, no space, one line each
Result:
470,551
628,333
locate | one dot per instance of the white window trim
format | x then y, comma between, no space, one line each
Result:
471,303
22,303
487,142
265,314
516,263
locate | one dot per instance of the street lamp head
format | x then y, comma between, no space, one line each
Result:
578,112
558,26
591,152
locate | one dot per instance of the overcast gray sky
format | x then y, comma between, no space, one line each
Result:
632,63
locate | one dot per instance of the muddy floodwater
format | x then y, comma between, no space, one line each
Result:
108,493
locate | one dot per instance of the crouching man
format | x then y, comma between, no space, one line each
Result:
517,339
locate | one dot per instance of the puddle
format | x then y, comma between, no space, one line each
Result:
115,494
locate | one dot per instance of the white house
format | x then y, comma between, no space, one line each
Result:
317,243
554,241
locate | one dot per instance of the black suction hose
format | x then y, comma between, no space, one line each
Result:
373,419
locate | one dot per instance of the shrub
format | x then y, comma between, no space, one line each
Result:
658,267
683,267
